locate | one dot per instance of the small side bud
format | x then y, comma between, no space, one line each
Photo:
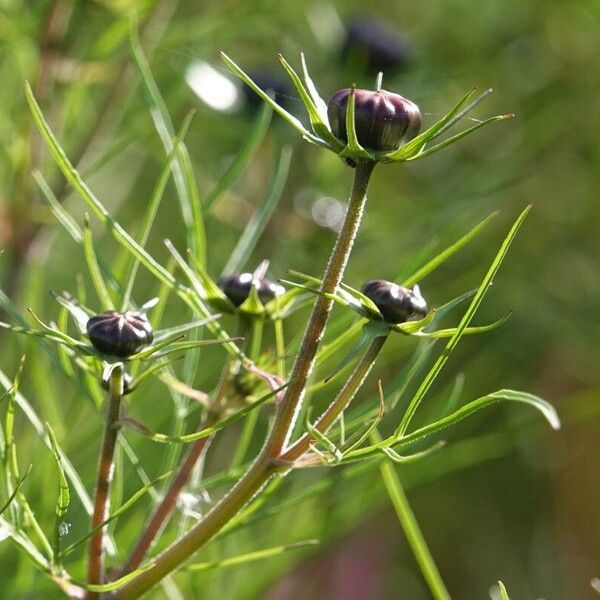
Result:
396,304
237,288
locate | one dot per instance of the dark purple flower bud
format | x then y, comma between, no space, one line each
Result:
397,304
375,46
383,120
237,288
119,334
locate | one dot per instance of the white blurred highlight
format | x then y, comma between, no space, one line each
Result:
212,87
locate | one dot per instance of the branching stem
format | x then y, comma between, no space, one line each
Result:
268,462
341,401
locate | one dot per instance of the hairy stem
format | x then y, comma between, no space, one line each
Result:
334,272
341,401
267,463
103,480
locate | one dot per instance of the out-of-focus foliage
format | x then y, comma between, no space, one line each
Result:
518,503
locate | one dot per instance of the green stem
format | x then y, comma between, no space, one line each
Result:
268,462
103,480
342,400
411,529
292,399
167,505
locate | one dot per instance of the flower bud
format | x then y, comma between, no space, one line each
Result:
119,334
397,304
383,120
372,44
237,288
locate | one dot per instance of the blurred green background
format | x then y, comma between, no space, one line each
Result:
508,498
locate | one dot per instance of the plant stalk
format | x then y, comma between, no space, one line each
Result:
268,463
341,401
294,393
413,533
169,502
104,479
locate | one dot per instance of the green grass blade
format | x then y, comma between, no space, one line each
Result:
262,94
250,556
63,501
192,437
61,215
94,269
152,208
16,490
445,254
183,174
243,157
467,317
503,592
256,225
413,533
117,513
114,228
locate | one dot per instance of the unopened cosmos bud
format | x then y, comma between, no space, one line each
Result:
237,288
119,334
383,120
397,304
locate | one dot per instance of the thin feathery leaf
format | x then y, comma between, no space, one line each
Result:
113,227
183,174
192,437
153,205
117,513
256,225
464,323
250,556
94,269
242,158
448,252
276,107
63,500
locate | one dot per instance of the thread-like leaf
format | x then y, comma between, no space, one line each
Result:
94,269
183,173
113,227
152,208
117,513
242,158
250,556
63,500
467,317
445,254
192,437
256,225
